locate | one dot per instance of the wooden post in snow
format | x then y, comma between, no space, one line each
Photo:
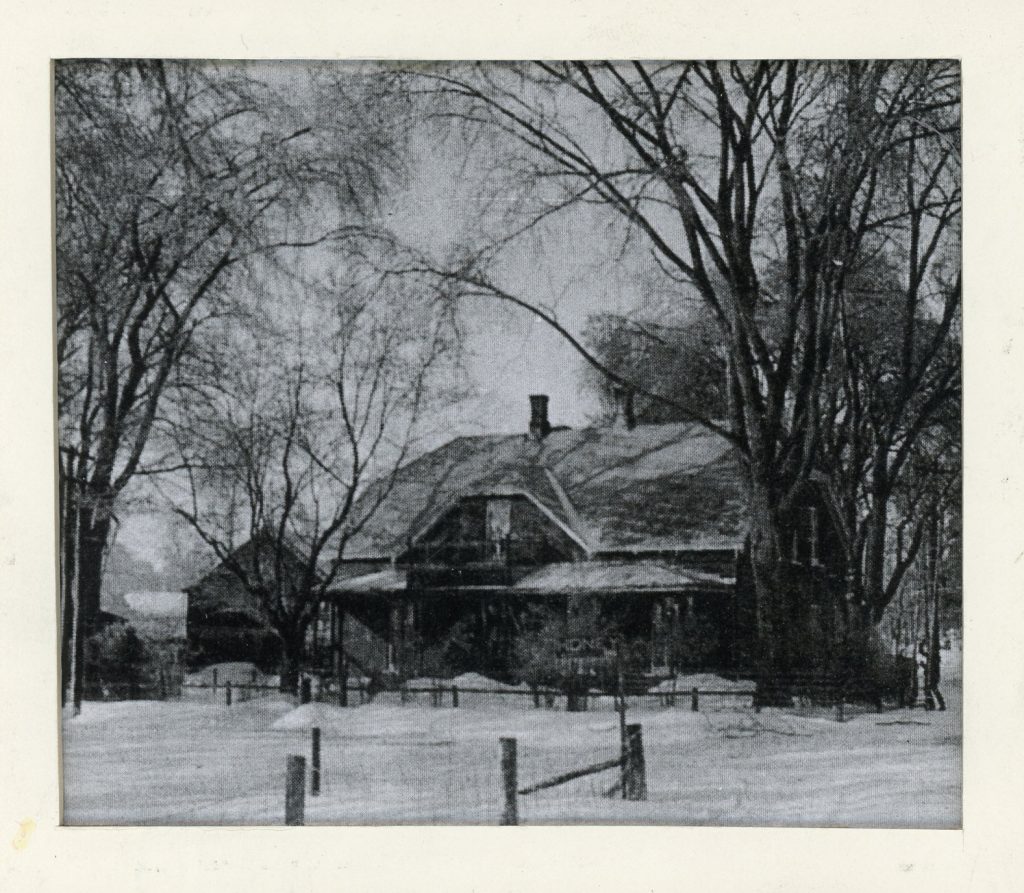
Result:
510,815
314,775
694,704
455,696
635,781
215,683
295,791
227,694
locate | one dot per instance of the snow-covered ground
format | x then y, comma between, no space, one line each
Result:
183,762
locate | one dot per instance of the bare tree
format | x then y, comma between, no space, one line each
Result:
279,458
170,177
762,188
682,363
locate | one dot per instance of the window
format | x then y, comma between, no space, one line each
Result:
806,533
498,527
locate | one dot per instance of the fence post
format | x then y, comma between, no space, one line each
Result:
306,688
295,791
252,675
510,816
215,683
536,696
694,704
343,684
635,781
455,696
163,685
314,774
227,693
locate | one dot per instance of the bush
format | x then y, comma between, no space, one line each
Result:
117,659
697,642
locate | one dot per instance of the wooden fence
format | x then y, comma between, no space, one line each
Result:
632,783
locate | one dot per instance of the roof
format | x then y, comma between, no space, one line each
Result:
389,580
570,576
154,615
652,488
157,604
614,576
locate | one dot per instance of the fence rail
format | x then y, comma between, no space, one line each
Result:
447,693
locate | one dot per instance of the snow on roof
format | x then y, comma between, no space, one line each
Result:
157,603
388,580
677,486
614,576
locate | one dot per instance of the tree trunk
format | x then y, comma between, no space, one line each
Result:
935,639
88,583
68,582
871,597
291,663
770,595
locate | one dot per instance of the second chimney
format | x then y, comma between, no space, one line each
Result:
540,427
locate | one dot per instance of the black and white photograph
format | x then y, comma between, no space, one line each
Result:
509,443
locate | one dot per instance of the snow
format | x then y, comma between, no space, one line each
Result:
235,672
471,681
389,762
702,682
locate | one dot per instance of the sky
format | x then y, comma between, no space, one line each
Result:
570,266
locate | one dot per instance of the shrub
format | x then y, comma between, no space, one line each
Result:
696,643
117,661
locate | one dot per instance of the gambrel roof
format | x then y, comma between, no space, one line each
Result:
653,488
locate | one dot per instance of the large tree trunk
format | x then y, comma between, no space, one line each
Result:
92,542
770,595
871,598
68,581
291,662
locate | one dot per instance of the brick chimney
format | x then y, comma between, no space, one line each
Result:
540,427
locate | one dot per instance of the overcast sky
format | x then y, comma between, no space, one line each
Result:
572,266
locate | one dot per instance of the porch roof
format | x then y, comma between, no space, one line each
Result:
566,577
388,580
619,576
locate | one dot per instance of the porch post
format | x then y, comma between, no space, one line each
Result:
394,620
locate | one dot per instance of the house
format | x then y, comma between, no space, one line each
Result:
224,622
609,537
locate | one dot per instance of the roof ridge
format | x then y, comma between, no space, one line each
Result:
574,517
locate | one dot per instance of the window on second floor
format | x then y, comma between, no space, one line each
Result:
498,528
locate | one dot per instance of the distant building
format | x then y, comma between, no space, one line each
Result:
225,623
